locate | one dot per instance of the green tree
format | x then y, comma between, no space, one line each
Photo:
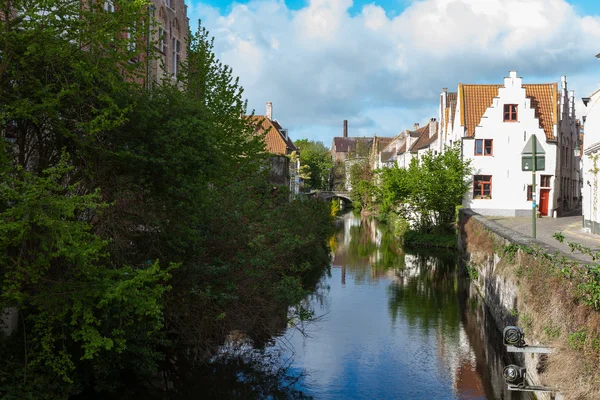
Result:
361,181
318,159
137,228
428,191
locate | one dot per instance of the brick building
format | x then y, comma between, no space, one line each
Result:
169,38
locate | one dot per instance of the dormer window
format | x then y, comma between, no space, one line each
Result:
510,113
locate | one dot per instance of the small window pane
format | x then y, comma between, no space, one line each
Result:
478,146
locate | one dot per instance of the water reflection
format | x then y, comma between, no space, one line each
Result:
396,325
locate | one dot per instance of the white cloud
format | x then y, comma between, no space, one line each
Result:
320,65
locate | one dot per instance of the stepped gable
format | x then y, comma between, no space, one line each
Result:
475,99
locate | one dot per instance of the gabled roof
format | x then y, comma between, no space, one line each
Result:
475,99
275,141
290,144
402,149
413,134
386,156
424,140
383,142
346,144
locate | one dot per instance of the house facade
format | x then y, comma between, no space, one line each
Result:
497,124
169,39
591,164
285,161
411,144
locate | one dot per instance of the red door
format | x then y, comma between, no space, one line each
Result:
544,198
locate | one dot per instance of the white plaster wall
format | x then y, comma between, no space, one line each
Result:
509,182
591,140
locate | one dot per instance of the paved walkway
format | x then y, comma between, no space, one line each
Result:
546,227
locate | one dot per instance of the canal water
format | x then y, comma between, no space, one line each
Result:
393,323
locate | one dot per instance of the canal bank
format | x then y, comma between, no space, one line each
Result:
533,285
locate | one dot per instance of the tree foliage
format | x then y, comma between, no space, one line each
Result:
428,191
362,183
318,159
137,228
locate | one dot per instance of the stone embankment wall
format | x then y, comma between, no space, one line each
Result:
482,244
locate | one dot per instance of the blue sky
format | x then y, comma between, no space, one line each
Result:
381,65
392,7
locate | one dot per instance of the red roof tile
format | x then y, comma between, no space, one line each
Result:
477,98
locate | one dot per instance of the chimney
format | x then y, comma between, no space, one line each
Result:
416,126
432,127
408,140
345,128
269,113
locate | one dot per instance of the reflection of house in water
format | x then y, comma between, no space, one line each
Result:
358,249
456,355
415,266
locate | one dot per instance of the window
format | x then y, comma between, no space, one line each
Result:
483,147
482,186
168,3
162,40
131,40
176,56
529,193
109,6
510,112
545,180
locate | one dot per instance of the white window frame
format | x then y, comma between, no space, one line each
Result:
131,42
109,6
162,39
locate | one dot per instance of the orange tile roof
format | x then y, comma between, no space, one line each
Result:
475,99
544,98
274,140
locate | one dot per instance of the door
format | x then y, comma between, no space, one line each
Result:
544,199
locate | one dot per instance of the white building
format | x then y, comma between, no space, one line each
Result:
495,124
591,163
411,144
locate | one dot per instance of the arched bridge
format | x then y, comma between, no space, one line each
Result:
327,195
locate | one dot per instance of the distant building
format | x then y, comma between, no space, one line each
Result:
346,147
170,39
285,170
277,139
495,124
411,144
347,151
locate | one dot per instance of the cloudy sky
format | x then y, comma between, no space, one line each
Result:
381,65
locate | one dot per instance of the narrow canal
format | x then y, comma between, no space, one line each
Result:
394,324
